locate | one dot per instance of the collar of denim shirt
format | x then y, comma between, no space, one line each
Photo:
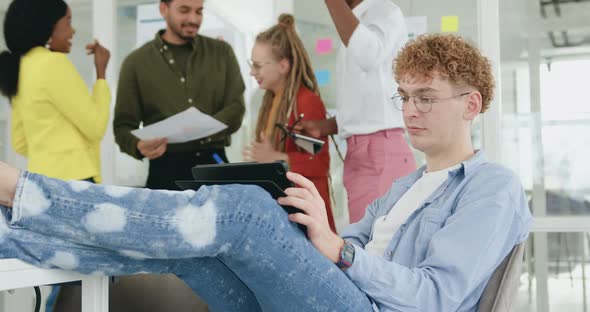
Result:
467,168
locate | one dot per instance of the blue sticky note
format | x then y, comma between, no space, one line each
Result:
323,77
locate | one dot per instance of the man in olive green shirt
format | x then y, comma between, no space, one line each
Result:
177,70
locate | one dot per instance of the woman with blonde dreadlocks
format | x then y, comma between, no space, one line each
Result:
282,67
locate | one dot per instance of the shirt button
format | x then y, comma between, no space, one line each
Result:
208,139
190,100
198,154
171,61
165,47
390,254
182,79
161,50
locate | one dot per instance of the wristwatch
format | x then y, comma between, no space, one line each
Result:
346,256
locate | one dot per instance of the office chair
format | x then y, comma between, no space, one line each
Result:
502,288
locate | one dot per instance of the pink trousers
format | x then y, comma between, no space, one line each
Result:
373,161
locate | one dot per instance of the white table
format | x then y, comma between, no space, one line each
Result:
17,274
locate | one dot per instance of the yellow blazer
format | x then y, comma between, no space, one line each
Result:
56,123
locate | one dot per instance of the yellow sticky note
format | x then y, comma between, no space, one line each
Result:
449,24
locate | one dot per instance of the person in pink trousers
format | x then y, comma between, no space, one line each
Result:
372,32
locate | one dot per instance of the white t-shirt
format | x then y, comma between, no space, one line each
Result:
364,70
385,227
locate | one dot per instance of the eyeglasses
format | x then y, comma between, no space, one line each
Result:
257,66
423,103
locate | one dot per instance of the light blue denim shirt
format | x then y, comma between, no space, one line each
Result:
441,258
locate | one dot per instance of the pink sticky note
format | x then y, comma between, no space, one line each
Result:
323,46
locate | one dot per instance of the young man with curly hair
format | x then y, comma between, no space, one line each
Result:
430,244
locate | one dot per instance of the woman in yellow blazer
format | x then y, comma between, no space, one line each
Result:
56,122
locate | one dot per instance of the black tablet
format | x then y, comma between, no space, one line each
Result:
272,177
246,171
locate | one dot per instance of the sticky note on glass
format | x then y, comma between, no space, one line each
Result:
323,77
449,24
323,46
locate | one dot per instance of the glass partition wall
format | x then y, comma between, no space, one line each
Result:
538,126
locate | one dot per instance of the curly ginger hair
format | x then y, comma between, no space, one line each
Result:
451,57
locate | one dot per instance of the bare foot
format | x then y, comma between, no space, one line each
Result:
8,180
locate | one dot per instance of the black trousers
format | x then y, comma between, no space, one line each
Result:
177,166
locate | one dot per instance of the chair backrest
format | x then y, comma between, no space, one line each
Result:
502,288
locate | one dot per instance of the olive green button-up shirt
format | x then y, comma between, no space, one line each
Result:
152,88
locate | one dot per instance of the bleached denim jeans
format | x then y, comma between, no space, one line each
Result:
233,244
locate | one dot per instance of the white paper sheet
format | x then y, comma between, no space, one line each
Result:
188,125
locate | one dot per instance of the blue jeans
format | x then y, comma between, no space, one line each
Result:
233,244
55,289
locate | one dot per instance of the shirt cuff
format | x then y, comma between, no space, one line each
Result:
359,268
101,91
136,152
102,83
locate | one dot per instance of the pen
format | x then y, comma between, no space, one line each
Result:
296,122
218,158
